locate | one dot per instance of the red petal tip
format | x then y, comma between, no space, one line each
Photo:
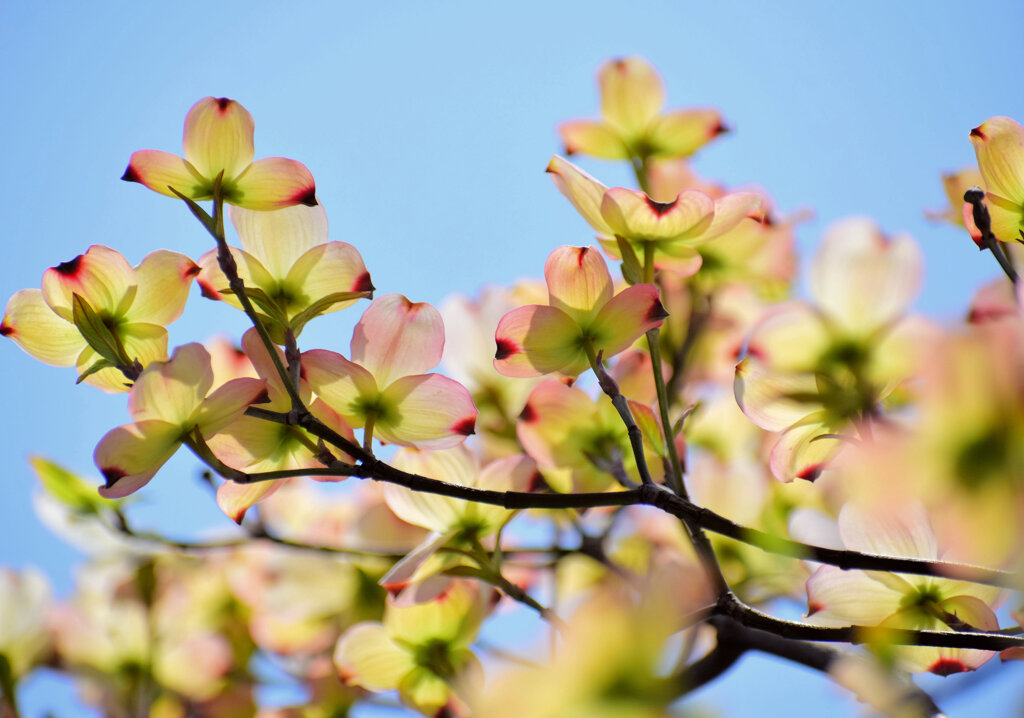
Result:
947,667
207,290
505,349
466,427
661,208
112,474
191,270
223,103
363,283
528,414
813,607
976,132
656,312
812,472
306,196
6,330
69,268
130,175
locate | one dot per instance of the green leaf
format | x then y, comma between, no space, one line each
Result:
97,334
200,213
95,367
469,572
261,299
67,488
631,270
322,305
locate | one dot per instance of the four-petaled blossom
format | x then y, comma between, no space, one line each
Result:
219,143
583,317
836,597
999,145
419,649
291,272
169,403
814,371
632,96
133,305
668,232
385,388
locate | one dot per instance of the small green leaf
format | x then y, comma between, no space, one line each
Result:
95,367
320,306
67,488
469,572
97,334
200,213
631,270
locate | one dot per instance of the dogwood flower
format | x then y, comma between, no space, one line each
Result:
169,403
422,649
218,141
96,313
667,233
879,598
999,146
632,124
583,317
291,272
385,388
814,371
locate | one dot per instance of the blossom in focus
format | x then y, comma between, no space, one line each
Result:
999,146
666,232
253,445
291,272
218,141
836,597
169,404
583,317
384,388
632,124
96,313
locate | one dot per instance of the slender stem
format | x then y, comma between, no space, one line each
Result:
676,476
611,388
368,433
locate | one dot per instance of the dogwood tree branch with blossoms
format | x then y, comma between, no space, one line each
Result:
671,450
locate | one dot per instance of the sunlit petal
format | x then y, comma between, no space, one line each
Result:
33,326
101,276
631,94
429,411
279,238
683,132
631,313
218,137
597,139
578,282
582,190
343,385
325,270
172,391
129,456
367,656
160,171
999,145
164,280
274,183
635,216
536,340
396,338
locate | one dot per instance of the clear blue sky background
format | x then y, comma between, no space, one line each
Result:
428,127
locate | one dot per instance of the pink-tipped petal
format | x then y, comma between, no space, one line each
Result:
596,139
343,385
164,280
129,456
836,597
32,325
328,269
429,411
635,216
219,137
265,368
582,190
732,209
160,171
172,391
683,132
630,314
396,338
999,145
214,283
228,403
631,94
578,282
536,340
863,280
234,499
275,183
279,238
804,450
101,276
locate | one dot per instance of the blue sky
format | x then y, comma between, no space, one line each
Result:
428,127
